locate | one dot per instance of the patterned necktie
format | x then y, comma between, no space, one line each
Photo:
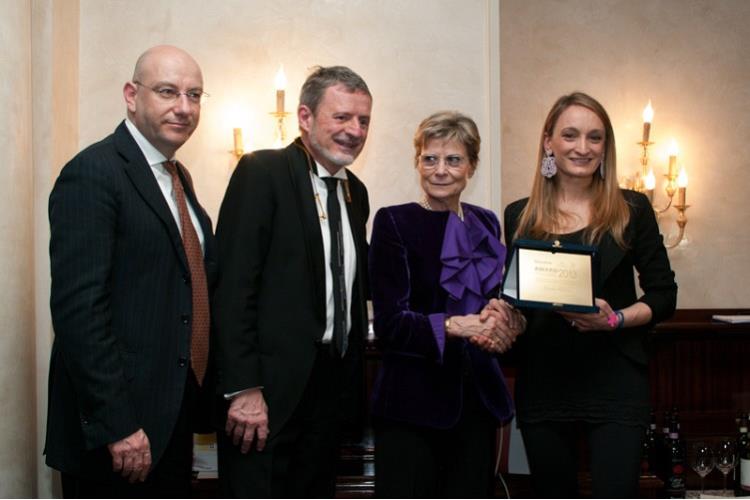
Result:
339,343
201,313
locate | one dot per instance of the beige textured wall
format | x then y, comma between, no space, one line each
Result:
55,139
687,56
17,431
417,57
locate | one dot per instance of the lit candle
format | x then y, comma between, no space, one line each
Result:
280,86
239,147
682,181
673,150
649,182
648,116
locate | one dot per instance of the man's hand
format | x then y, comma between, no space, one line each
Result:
132,456
248,416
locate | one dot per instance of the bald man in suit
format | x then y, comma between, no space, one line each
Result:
132,259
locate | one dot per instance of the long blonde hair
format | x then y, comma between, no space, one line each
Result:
611,213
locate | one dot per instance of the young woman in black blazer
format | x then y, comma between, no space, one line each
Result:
586,375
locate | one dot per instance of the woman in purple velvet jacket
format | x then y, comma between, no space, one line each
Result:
434,267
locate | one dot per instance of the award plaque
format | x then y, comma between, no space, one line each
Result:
551,275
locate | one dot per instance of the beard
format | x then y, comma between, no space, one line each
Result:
339,159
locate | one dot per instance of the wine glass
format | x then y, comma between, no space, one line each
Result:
726,458
702,460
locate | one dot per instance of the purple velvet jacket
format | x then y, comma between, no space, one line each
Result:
411,271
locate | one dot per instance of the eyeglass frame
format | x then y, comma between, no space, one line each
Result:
450,161
172,94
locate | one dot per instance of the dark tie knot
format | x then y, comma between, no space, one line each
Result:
331,183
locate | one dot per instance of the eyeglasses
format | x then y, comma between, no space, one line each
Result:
450,161
170,94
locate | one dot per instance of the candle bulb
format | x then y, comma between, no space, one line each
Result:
239,147
682,181
650,183
648,116
280,87
279,101
681,196
672,166
673,150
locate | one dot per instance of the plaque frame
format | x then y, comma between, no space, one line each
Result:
514,293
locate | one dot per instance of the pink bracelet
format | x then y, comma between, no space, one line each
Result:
616,320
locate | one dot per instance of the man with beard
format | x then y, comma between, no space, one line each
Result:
289,307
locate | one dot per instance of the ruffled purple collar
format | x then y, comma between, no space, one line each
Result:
472,263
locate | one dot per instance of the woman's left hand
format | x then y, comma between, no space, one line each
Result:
588,322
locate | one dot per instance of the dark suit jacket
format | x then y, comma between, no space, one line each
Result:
121,305
269,305
420,382
615,282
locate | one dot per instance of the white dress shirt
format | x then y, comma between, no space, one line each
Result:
350,251
164,179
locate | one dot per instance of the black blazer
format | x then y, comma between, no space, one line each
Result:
269,303
121,305
615,281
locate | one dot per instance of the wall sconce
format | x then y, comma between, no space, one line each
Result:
239,116
280,83
239,148
645,182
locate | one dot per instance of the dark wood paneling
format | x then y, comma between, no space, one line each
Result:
702,367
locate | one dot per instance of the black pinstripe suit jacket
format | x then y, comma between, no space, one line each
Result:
121,305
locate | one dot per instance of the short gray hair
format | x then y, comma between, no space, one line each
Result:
323,77
449,126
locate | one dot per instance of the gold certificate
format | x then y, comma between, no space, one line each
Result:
551,275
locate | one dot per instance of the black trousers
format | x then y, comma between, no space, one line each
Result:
171,477
300,461
552,452
413,461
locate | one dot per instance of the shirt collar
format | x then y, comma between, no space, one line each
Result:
153,156
322,172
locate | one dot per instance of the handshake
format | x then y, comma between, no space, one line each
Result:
494,329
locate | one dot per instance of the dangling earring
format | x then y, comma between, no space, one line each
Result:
549,167
601,168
